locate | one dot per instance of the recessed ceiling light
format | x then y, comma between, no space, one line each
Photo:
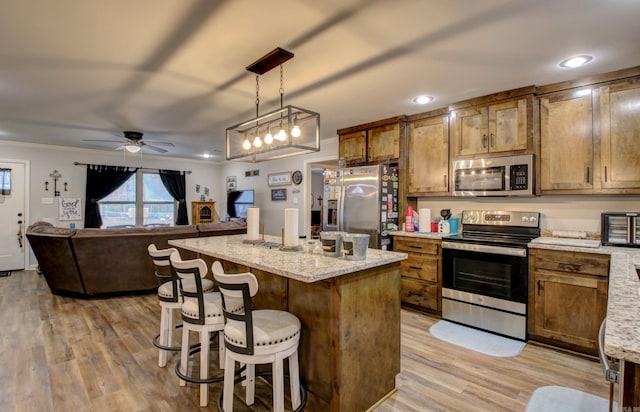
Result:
575,61
207,155
423,99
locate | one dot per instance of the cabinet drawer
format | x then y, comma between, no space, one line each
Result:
420,267
416,292
572,262
416,245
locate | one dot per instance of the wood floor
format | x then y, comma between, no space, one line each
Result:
63,354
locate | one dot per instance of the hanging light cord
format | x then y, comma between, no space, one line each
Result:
257,94
281,87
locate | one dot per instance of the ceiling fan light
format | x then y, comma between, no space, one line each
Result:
132,148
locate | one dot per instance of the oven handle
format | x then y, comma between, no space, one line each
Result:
473,247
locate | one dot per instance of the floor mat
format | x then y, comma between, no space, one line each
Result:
477,340
561,399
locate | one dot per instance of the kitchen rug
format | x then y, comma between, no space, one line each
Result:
561,399
477,340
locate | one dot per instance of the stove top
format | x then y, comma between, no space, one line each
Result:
512,229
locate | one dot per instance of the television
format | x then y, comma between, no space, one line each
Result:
237,203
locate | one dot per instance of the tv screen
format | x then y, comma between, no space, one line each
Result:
238,201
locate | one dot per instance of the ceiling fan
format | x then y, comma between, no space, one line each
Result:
134,143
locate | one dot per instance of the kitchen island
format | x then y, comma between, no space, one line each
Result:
350,313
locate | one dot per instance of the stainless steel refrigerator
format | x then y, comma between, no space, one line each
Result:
362,200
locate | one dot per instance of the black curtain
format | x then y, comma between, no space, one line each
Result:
174,182
102,181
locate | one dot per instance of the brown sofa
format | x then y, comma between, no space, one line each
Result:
87,262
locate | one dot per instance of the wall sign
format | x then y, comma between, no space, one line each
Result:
279,179
278,194
70,209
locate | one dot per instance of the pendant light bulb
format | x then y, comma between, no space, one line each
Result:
257,142
268,139
282,135
246,145
295,132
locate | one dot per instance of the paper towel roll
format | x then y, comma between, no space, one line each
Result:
291,227
424,222
253,223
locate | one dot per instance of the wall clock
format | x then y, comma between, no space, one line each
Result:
296,177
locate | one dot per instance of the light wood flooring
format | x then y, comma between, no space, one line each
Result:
64,354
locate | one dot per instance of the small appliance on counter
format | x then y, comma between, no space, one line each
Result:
620,229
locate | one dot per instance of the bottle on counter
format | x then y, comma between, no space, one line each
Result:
408,222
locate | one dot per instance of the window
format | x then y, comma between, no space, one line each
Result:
140,201
5,182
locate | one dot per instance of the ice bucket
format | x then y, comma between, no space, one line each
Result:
354,246
331,243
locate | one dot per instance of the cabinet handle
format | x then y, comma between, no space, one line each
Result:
492,141
415,267
605,173
570,267
539,286
484,141
415,246
587,169
444,179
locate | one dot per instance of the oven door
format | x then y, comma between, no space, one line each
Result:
485,287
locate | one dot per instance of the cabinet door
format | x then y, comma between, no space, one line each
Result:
428,156
353,146
508,126
384,143
470,131
570,308
620,135
566,141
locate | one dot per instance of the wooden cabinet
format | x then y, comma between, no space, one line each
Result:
420,274
620,135
567,298
427,157
203,212
590,137
372,143
501,127
566,141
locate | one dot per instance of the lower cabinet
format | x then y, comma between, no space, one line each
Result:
420,282
567,298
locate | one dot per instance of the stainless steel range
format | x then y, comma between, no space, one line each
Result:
485,271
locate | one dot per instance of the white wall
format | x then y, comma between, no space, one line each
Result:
299,196
44,159
557,212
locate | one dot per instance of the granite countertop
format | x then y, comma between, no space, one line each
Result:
424,235
622,337
302,266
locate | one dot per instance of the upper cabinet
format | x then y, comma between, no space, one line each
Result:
590,137
497,124
566,141
620,135
376,142
427,157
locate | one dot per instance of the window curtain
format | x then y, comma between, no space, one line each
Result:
101,182
174,182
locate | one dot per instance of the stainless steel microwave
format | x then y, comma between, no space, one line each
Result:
620,229
494,176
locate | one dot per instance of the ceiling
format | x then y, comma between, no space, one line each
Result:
175,70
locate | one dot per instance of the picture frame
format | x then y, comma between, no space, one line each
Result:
279,179
278,194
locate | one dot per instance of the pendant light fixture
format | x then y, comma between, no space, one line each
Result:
287,131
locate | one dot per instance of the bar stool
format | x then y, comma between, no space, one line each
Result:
201,313
170,299
610,370
257,337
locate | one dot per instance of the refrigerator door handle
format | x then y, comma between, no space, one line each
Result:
341,206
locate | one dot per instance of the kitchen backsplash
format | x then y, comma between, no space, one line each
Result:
571,213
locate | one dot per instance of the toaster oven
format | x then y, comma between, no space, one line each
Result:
620,229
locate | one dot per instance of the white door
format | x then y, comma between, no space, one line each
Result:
12,218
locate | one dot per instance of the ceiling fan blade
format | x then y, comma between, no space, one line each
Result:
155,149
168,144
103,140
